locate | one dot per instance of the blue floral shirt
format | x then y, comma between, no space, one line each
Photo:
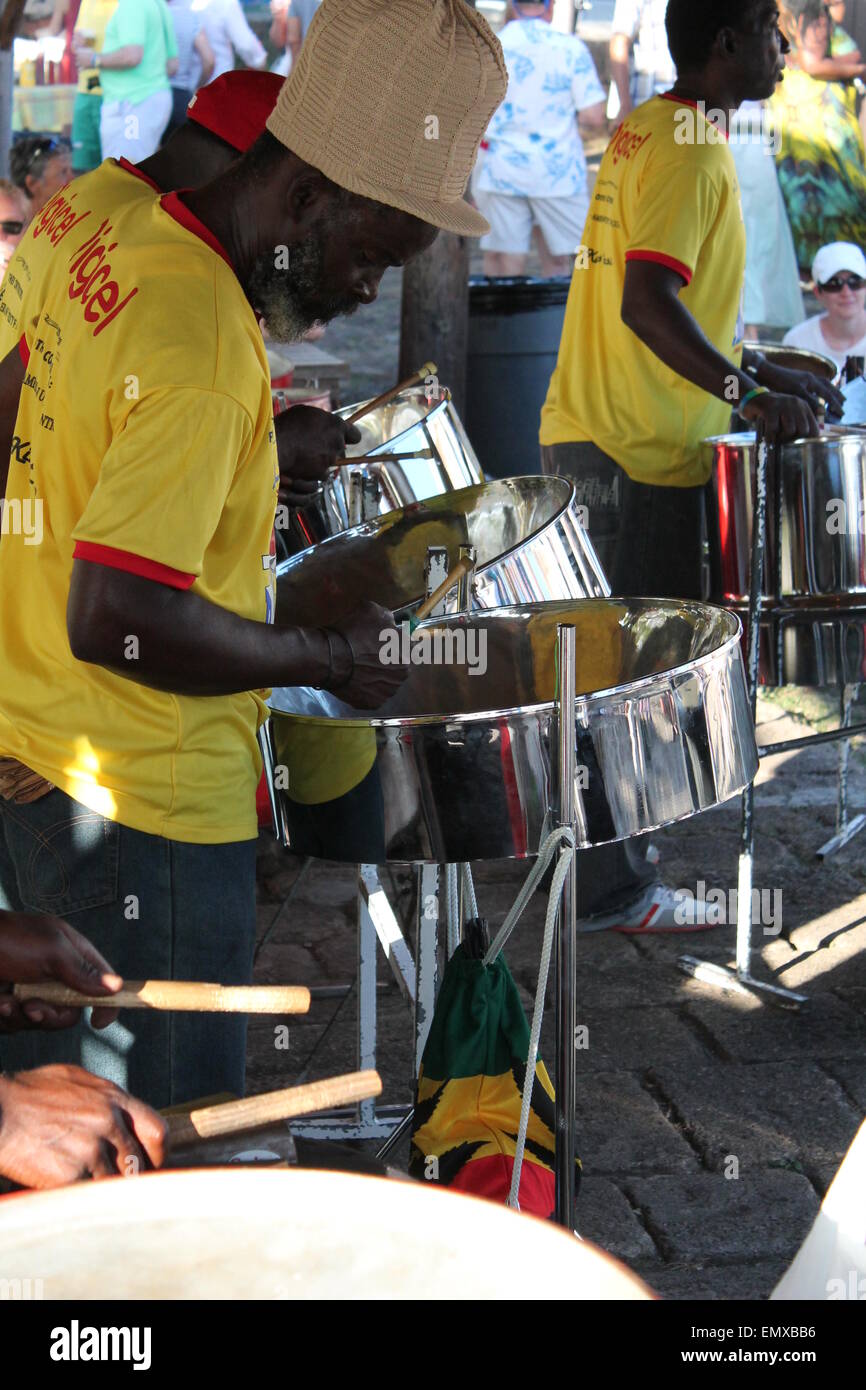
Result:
534,146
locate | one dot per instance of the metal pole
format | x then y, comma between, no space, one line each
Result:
566,932
747,831
741,980
846,829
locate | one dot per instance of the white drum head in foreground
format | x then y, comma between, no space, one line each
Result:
291,1234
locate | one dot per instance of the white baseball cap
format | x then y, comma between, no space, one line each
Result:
838,255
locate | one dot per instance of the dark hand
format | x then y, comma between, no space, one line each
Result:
60,1124
33,949
372,680
814,390
785,417
309,442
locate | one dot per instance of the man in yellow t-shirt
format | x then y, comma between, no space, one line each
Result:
137,564
650,361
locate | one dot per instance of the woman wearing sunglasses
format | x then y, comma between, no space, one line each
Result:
839,276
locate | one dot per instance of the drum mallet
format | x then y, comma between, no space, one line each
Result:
429,369
238,1116
180,996
386,458
464,566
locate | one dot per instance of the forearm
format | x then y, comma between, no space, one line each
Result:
668,329
834,69
128,57
620,48
177,641
12,375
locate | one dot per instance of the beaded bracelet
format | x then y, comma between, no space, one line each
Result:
750,396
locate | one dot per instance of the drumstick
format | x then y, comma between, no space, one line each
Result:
426,608
429,369
179,996
236,1116
386,458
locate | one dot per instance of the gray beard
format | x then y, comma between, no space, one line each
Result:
292,300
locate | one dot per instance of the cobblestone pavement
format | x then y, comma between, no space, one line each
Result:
709,1125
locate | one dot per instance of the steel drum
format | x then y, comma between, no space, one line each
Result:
461,763
247,1234
796,359
415,422
814,629
527,533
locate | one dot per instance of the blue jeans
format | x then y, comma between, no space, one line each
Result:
156,909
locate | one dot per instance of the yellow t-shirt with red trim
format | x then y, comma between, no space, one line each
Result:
147,444
666,191
115,182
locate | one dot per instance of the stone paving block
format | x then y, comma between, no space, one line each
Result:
851,1075
711,1217
629,1040
644,983
763,1114
605,1217
621,1129
329,885
748,1031
829,952
697,1281
289,963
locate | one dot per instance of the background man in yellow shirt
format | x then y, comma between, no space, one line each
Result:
650,361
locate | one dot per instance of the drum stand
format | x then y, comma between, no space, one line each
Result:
845,829
739,978
565,1076
378,924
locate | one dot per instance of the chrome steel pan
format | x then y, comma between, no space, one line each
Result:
530,544
415,422
460,766
823,497
797,359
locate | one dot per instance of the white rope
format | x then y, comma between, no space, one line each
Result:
469,888
539,869
452,900
559,876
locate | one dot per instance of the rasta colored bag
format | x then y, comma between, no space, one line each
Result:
470,1087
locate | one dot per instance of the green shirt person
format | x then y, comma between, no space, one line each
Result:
138,56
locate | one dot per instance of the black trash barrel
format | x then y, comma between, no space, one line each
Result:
514,332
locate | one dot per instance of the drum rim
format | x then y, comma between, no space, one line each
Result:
388,444
747,439
584,701
388,520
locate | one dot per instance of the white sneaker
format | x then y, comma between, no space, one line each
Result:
658,909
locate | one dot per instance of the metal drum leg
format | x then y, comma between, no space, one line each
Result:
845,829
566,1015
740,979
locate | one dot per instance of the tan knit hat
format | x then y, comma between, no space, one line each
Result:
390,99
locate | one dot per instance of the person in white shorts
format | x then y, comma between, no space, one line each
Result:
533,168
